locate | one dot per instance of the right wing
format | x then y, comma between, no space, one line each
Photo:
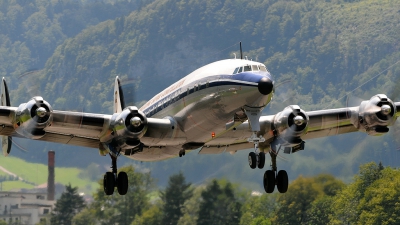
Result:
125,131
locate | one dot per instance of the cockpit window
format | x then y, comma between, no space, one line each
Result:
236,70
240,69
262,68
247,68
254,67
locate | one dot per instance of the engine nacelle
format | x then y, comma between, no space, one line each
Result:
126,128
33,117
290,124
376,115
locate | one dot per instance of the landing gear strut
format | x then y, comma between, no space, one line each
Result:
257,158
112,180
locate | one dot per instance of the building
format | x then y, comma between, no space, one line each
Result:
25,208
29,207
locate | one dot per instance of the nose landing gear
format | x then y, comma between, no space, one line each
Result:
256,158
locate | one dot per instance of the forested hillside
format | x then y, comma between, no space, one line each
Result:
324,48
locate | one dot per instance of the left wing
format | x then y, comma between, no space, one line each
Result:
293,125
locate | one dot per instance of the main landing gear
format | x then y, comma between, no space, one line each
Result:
272,177
182,153
257,158
111,180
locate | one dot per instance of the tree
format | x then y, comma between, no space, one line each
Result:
303,199
117,209
218,205
152,216
258,209
85,217
67,206
346,203
174,197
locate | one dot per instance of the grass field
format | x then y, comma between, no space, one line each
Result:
37,173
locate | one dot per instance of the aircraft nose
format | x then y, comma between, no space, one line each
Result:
265,86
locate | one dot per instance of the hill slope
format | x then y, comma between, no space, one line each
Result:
326,48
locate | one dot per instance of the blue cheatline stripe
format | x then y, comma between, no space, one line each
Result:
243,79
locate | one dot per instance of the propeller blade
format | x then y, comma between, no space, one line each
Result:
6,145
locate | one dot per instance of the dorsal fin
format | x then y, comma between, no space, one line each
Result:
119,103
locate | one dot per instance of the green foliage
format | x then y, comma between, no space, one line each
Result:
116,208
218,205
370,199
299,204
152,216
67,206
174,197
258,209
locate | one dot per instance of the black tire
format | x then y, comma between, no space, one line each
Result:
269,181
122,183
109,183
252,160
282,181
261,160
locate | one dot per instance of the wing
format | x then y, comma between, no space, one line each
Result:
293,125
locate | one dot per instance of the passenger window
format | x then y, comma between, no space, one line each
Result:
247,68
254,67
240,70
236,70
262,68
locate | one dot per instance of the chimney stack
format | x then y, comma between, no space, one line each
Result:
50,178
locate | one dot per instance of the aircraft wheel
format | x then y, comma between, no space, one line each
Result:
109,183
261,160
282,181
122,183
252,160
269,181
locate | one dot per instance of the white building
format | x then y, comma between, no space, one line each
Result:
24,208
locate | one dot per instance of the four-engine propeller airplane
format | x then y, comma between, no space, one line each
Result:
216,108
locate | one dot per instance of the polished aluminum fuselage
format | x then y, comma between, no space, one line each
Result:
203,103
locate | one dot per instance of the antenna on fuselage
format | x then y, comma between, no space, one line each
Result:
241,53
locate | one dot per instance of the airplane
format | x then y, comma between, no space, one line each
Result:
216,108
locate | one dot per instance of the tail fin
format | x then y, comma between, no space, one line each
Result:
124,94
119,103
5,101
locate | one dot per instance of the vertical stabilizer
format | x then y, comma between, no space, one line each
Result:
118,96
5,101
